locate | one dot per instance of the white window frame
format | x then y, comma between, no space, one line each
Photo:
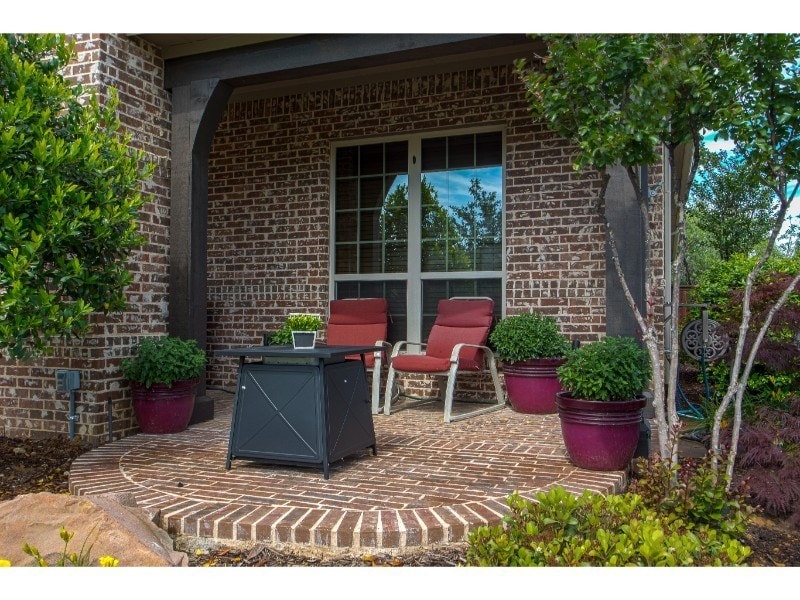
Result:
414,276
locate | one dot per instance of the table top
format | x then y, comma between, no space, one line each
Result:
323,351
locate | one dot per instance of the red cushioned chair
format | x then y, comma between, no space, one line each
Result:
456,344
362,322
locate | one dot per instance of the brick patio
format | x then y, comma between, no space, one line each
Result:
431,483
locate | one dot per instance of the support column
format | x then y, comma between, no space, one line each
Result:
196,110
625,219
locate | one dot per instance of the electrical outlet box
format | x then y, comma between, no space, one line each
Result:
66,381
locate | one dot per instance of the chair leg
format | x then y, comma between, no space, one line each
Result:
376,386
448,397
387,399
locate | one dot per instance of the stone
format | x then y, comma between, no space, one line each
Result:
111,523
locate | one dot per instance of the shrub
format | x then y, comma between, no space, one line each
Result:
528,336
69,198
769,461
614,368
164,360
595,530
692,492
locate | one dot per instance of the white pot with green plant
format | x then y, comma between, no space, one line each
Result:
601,405
300,330
530,347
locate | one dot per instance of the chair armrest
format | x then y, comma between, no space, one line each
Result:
387,348
457,351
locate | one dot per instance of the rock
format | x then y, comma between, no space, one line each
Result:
121,530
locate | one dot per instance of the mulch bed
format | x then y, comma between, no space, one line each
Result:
30,466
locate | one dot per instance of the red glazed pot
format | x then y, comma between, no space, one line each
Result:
161,409
532,385
601,436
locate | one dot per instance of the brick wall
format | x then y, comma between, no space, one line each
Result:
269,201
29,404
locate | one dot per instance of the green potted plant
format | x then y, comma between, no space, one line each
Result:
530,348
601,405
163,374
299,329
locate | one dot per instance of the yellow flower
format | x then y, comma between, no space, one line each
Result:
108,561
4,562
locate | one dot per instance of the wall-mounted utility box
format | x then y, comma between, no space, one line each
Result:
66,381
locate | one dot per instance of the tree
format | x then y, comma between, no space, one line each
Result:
69,196
621,99
763,120
729,201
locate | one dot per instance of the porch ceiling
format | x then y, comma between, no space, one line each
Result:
273,63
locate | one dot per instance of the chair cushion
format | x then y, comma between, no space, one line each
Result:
461,321
359,311
420,363
358,322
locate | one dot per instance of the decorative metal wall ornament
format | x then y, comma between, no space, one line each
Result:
704,339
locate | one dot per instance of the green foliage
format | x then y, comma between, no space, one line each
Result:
716,284
81,558
612,369
700,253
763,73
729,201
528,336
619,96
595,530
164,360
69,198
765,387
295,322
691,491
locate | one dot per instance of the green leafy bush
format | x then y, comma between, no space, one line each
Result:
595,530
612,369
164,360
691,491
69,198
528,336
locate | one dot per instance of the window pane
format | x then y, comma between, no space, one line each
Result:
489,149
460,151
347,161
461,255
371,258
397,157
433,256
346,258
347,194
371,159
434,154
488,255
371,192
346,227
370,225
396,225
396,260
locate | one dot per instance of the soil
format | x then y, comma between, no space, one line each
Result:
29,466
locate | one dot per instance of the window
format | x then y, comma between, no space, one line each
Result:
417,220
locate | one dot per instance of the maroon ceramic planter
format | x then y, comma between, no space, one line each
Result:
532,385
161,409
601,436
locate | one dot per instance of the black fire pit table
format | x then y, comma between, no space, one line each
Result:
300,407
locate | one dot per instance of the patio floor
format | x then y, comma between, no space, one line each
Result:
431,482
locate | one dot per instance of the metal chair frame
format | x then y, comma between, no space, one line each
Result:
447,379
